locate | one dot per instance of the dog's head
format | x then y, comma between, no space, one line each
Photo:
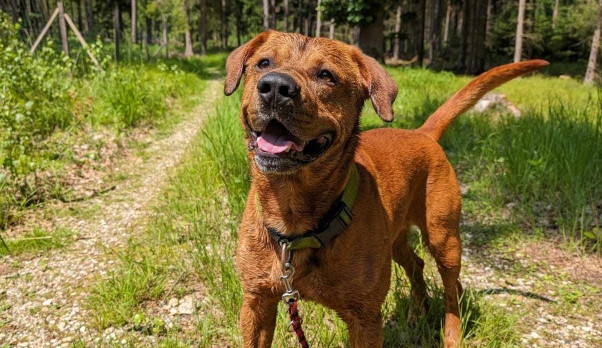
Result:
302,97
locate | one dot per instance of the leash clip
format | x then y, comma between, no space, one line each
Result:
287,273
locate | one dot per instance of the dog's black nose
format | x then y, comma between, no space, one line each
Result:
277,88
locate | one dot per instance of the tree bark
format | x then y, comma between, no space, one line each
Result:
187,38
555,14
435,32
448,14
63,28
133,22
266,14
89,15
319,20
475,50
203,26
518,46
420,36
224,24
116,29
371,36
590,73
397,40
273,14
78,6
285,23
331,29
165,35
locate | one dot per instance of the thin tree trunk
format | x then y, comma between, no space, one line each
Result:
187,38
421,25
224,24
319,19
555,14
397,40
593,54
116,29
238,5
489,21
518,46
285,23
149,30
273,14
133,22
85,28
266,14
203,26
165,36
89,15
331,29
434,34
63,28
447,20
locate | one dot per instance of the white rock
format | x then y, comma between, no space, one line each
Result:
173,302
186,306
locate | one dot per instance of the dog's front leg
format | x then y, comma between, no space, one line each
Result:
258,319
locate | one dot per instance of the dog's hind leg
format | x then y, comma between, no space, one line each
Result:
413,265
443,204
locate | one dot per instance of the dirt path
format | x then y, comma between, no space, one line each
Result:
43,295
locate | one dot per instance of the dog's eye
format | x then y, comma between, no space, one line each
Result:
326,76
264,63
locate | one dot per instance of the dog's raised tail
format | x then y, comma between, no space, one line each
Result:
465,98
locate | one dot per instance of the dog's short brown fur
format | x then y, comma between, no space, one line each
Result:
405,179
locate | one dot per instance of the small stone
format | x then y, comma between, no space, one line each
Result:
186,306
534,335
173,302
48,302
82,329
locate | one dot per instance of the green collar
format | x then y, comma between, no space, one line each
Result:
332,224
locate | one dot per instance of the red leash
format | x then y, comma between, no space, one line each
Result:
296,323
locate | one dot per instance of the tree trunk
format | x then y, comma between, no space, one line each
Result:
80,21
397,40
63,28
203,26
462,23
165,41
319,20
448,14
89,14
331,29
116,29
133,21
489,21
555,14
435,33
285,23
238,5
266,14
224,24
371,36
149,30
475,50
518,46
593,54
273,14
420,36
187,38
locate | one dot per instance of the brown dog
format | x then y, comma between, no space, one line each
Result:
301,103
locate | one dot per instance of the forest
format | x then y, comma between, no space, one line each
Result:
465,36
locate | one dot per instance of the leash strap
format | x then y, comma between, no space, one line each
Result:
295,324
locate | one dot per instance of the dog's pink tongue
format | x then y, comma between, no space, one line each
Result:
275,139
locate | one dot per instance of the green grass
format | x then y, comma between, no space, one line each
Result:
35,241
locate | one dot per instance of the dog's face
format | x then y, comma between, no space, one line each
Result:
302,97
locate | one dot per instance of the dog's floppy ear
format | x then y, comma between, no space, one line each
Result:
381,87
235,64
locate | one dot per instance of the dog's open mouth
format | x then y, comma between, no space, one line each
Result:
277,142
